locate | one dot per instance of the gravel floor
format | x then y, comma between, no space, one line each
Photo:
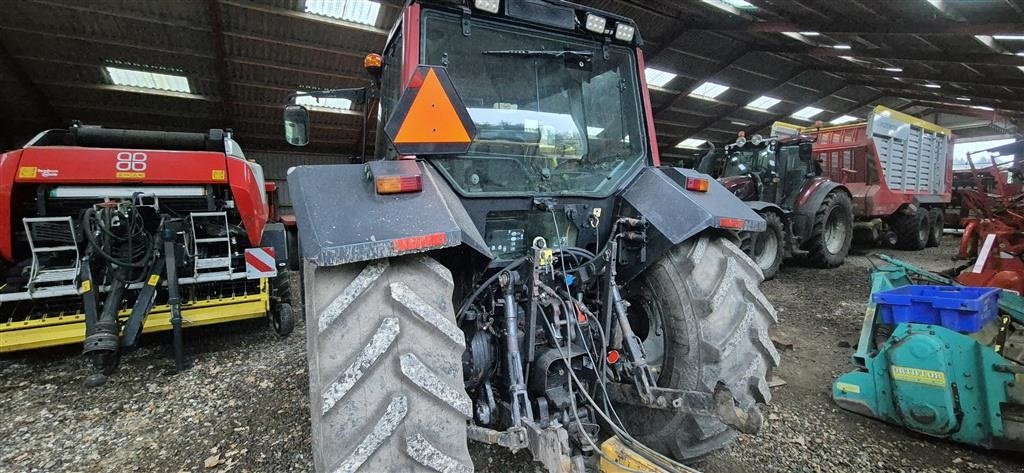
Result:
242,406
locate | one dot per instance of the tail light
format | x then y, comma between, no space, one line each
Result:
398,184
697,184
396,177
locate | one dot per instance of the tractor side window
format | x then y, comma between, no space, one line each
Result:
607,112
391,91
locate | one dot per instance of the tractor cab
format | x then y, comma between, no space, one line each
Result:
770,170
557,107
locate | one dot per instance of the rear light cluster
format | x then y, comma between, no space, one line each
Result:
697,184
398,184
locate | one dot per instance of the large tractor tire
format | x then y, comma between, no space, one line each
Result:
938,221
767,248
703,322
912,229
385,368
832,232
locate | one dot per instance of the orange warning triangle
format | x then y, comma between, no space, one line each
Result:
432,117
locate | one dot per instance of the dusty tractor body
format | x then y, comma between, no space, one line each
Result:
899,169
512,266
107,233
807,214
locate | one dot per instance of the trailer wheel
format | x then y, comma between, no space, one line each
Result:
832,232
385,367
703,321
767,248
912,229
937,222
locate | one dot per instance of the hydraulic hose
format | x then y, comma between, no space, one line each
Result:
480,289
132,248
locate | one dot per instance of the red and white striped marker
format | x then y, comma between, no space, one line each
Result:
260,263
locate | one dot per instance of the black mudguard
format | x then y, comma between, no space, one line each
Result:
342,219
275,236
675,214
803,217
760,206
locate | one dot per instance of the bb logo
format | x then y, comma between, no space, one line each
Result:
131,162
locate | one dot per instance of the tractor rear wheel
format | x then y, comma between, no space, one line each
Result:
912,229
385,367
832,232
767,248
703,322
937,222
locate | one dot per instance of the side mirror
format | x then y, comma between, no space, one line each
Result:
806,151
296,125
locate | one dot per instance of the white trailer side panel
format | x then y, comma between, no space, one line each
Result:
913,153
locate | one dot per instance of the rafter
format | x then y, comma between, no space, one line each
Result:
863,103
906,55
112,43
992,97
938,78
939,98
86,7
970,112
924,28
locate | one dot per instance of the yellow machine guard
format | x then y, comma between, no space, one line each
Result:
66,329
617,457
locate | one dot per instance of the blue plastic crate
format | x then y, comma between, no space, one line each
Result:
964,309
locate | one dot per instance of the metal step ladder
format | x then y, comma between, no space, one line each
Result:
55,257
216,249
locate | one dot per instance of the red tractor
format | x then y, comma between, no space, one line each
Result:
807,214
107,233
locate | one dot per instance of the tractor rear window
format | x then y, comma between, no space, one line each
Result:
554,114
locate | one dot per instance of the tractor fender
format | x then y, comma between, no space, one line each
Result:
342,219
761,206
660,195
675,214
808,202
